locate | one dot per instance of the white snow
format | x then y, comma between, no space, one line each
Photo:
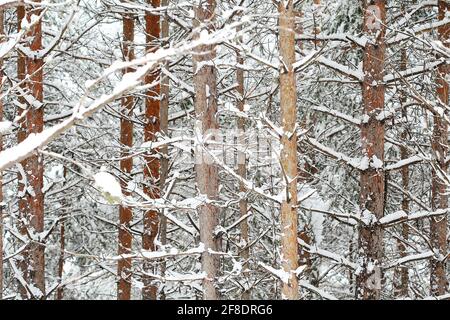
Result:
280,273
405,162
376,163
355,74
357,163
5,127
56,173
398,215
109,186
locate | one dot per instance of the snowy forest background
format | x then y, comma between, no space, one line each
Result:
182,150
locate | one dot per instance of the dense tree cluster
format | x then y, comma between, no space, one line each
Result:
238,149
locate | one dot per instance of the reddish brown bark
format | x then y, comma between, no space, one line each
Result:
164,126
438,226
288,105
34,168
153,164
21,135
368,280
205,80
126,165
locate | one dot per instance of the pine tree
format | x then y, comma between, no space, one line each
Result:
126,165
439,225
152,169
21,176
288,105
30,73
242,162
372,180
401,277
205,83
164,124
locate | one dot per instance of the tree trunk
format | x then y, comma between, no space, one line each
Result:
164,114
401,278
206,172
242,164
21,135
372,196
288,105
126,165
152,166
61,258
35,165
62,244
438,226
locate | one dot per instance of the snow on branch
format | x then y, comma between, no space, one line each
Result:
8,46
177,277
281,274
306,61
346,71
346,218
248,185
406,162
180,83
442,297
44,52
415,31
129,82
342,37
405,17
409,195
247,53
402,216
356,163
320,292
327,254
5,4
410,258
414,71
155,255
142,8
338,114
32,291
